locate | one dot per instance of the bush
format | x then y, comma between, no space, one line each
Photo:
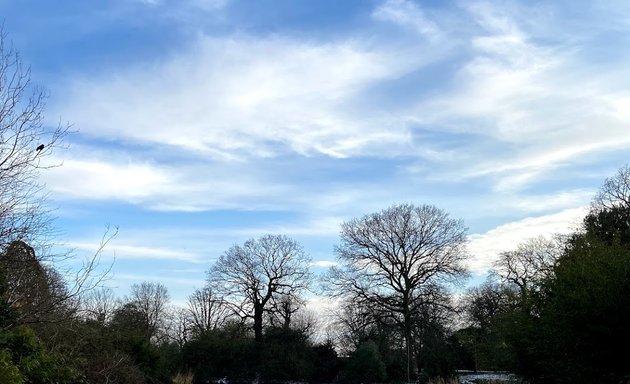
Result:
22,350
364,366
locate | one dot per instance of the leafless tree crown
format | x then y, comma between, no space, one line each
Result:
99,305
529,263
251,276
396,262
151,299
399,252
615,192
24,142
206,311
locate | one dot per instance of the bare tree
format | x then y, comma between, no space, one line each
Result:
151,299
251,276
349,324
283,308
206,311
482,304
24,142
179,326
615,192
531,262
305,322
397,260
99,305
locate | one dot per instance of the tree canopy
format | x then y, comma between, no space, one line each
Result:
396,261
259,272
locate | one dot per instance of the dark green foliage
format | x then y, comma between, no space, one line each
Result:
99,356
9,372
436,357
364,365
575,328
585,319
286,355
464,348
33,363
219,353
130,333
395,364
8,315
610,226
325,363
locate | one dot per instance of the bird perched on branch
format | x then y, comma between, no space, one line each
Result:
39,147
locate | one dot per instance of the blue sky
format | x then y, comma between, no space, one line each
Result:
203,123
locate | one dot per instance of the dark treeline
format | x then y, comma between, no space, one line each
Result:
554,309
559,310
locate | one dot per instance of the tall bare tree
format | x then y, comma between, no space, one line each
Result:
615,192
525,267
151,300
24,142
251,276
396,261
99,305
350,324
206,311
283,309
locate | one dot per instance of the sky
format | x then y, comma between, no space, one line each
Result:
199,124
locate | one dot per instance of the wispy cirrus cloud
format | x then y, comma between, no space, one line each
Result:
480,93
137,252
407,14
485,248
540,102
531,101
227,97
324,263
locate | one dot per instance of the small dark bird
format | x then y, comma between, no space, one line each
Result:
40,147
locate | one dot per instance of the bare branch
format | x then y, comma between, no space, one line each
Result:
22,212
396,261
252,276
615,192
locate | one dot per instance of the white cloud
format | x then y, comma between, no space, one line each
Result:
550,202
133,278
242,96
192,186
407,14
541,105
136,252
528,102
485,248
90,179
324,263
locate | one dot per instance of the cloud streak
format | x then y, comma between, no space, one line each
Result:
485,248
227,98
233,102
136,252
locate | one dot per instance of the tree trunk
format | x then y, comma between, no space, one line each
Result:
258,322
408,336
409,347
